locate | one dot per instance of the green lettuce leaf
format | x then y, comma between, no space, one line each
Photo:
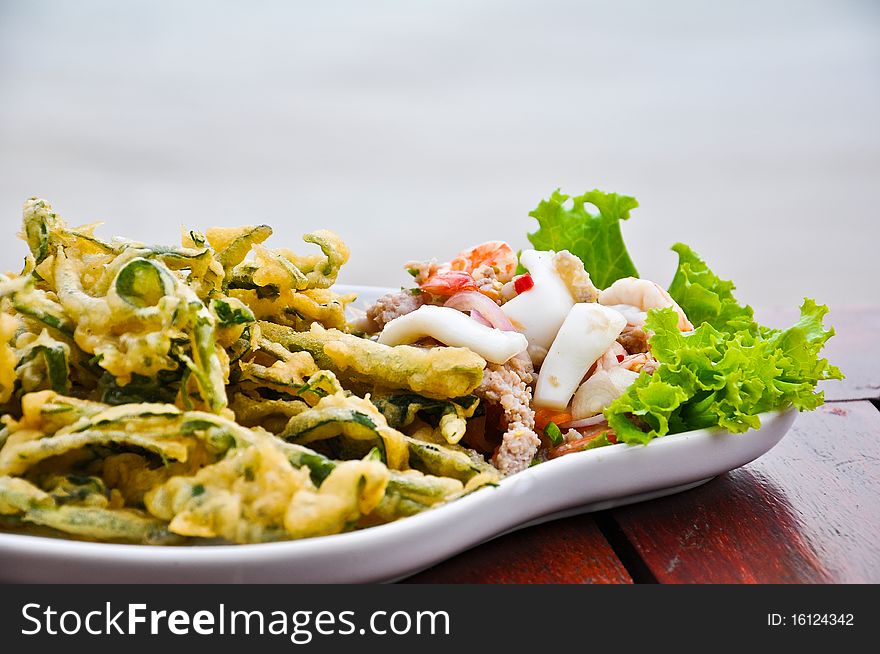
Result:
711,377
704,296
594,238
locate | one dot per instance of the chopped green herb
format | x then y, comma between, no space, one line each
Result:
554,433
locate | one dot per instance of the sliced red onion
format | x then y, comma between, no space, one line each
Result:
476,315
585,422
485,312
477,302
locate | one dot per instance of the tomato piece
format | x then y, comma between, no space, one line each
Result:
545,416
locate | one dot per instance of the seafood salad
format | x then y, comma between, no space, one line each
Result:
222,391
582,353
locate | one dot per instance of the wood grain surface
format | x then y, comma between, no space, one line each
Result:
850,349
567,551
808,511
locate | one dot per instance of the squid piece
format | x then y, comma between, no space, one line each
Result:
588,331
452,327
559,282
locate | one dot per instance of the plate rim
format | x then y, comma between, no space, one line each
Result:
301,547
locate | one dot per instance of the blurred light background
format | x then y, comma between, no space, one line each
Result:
750,130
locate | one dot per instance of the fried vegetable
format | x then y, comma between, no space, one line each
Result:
419,488
49,412
351,491
439,372
404,486
142,283
296,309
358,419
8,358
43,364
19,496
36,304
122,305
148,391
43,229
160,429
353,418
450,417
39,219
282,268
163,388
256,495
121,525
242,498
17,457
291,289
76,489
446,461
234,244
205,365
271,414
287,373
233,317
126,339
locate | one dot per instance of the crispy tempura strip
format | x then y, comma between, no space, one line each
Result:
440,372
127,525
28,503
18,457
357,419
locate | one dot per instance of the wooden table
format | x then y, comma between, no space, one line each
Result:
806,512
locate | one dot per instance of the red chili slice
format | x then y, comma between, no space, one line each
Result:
523,283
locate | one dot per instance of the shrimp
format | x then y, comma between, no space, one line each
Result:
642,294
482,268
449,282
497,255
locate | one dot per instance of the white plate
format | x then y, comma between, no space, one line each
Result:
576,483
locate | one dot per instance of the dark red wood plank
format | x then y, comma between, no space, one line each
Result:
851,349
808,511
571,550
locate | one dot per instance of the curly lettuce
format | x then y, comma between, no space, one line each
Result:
727,371
710,377
704,296
594,238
